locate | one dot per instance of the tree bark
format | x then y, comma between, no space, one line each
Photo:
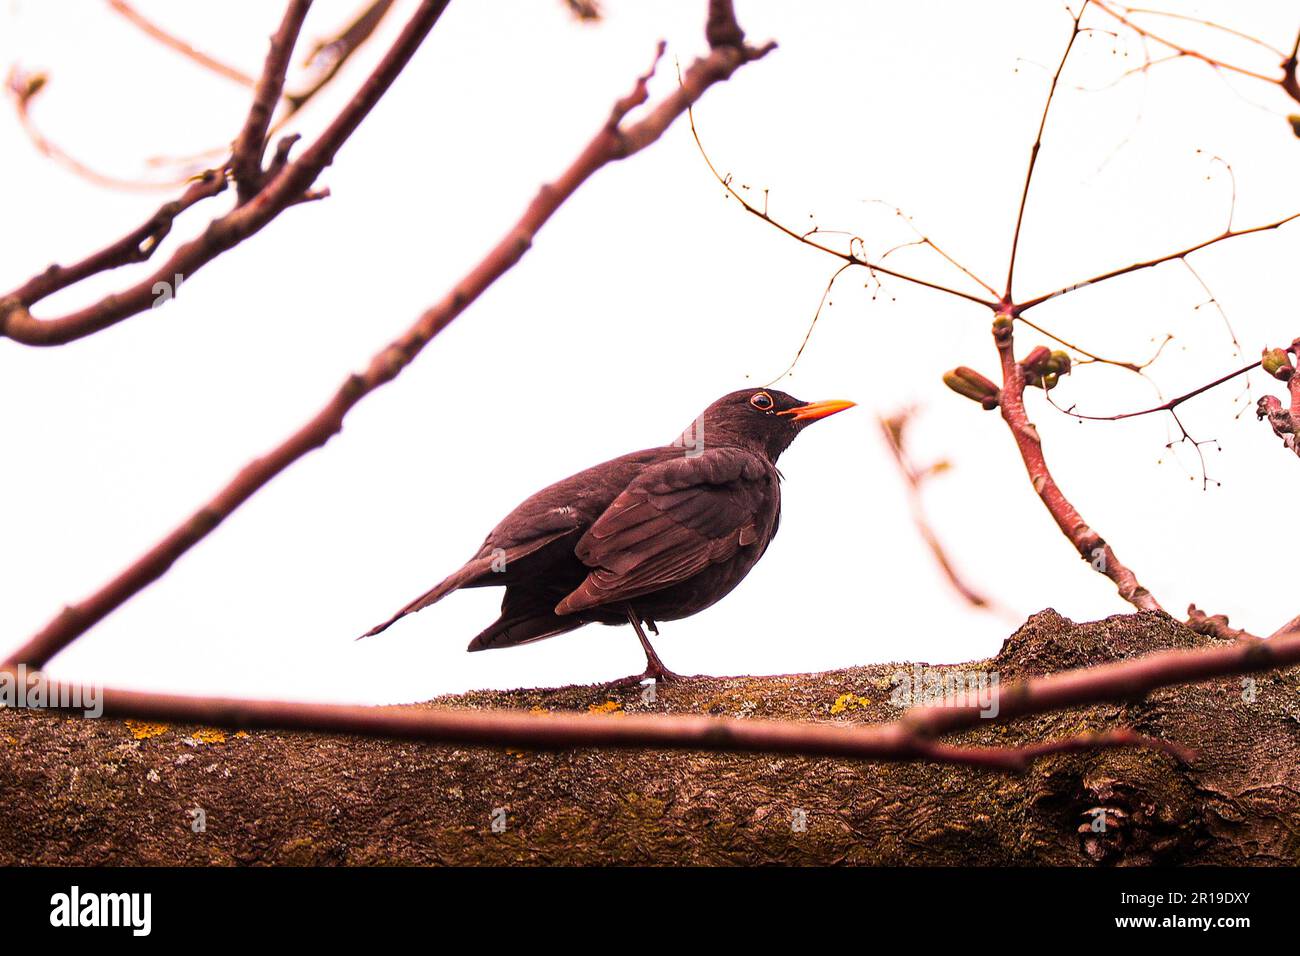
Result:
110,792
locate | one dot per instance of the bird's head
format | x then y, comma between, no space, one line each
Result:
762,419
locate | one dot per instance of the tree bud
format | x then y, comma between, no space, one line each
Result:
1278,364
971,384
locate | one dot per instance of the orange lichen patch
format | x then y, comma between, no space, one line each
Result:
849,702
240,734
208,735
609,707
144,729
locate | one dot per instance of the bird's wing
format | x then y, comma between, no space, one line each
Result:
676,518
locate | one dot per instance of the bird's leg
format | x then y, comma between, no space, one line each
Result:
654,667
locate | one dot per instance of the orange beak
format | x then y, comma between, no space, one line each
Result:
815,410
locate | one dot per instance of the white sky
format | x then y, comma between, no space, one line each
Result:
648,296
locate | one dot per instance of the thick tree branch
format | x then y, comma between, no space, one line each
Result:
614,141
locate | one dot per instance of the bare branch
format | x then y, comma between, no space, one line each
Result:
24,87
1148,263
893,429
1182,51
180,46
336,52
136,246
849,257
250,145
290,184
1090,545
1164,406
902,740
1035,149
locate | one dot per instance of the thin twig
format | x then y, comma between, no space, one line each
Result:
180,46
1035,149
1158,260
849,257
893,429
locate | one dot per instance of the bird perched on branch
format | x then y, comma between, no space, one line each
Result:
655,535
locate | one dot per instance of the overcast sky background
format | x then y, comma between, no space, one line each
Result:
647,296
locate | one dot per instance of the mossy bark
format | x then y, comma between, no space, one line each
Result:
108,792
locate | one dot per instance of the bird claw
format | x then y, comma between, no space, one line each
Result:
660,675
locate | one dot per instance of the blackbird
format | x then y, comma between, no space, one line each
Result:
655,535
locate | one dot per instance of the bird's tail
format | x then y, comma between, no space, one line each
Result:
459,579
490,563
527,615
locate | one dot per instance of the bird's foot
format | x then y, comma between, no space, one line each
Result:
659,674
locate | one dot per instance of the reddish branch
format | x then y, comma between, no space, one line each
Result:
180,46
898,741
24,87
286,184
250,145
328,57
1287,81
335,52
1087,542
614,141
136,246
893,430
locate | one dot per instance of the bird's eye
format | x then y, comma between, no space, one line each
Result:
761,400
